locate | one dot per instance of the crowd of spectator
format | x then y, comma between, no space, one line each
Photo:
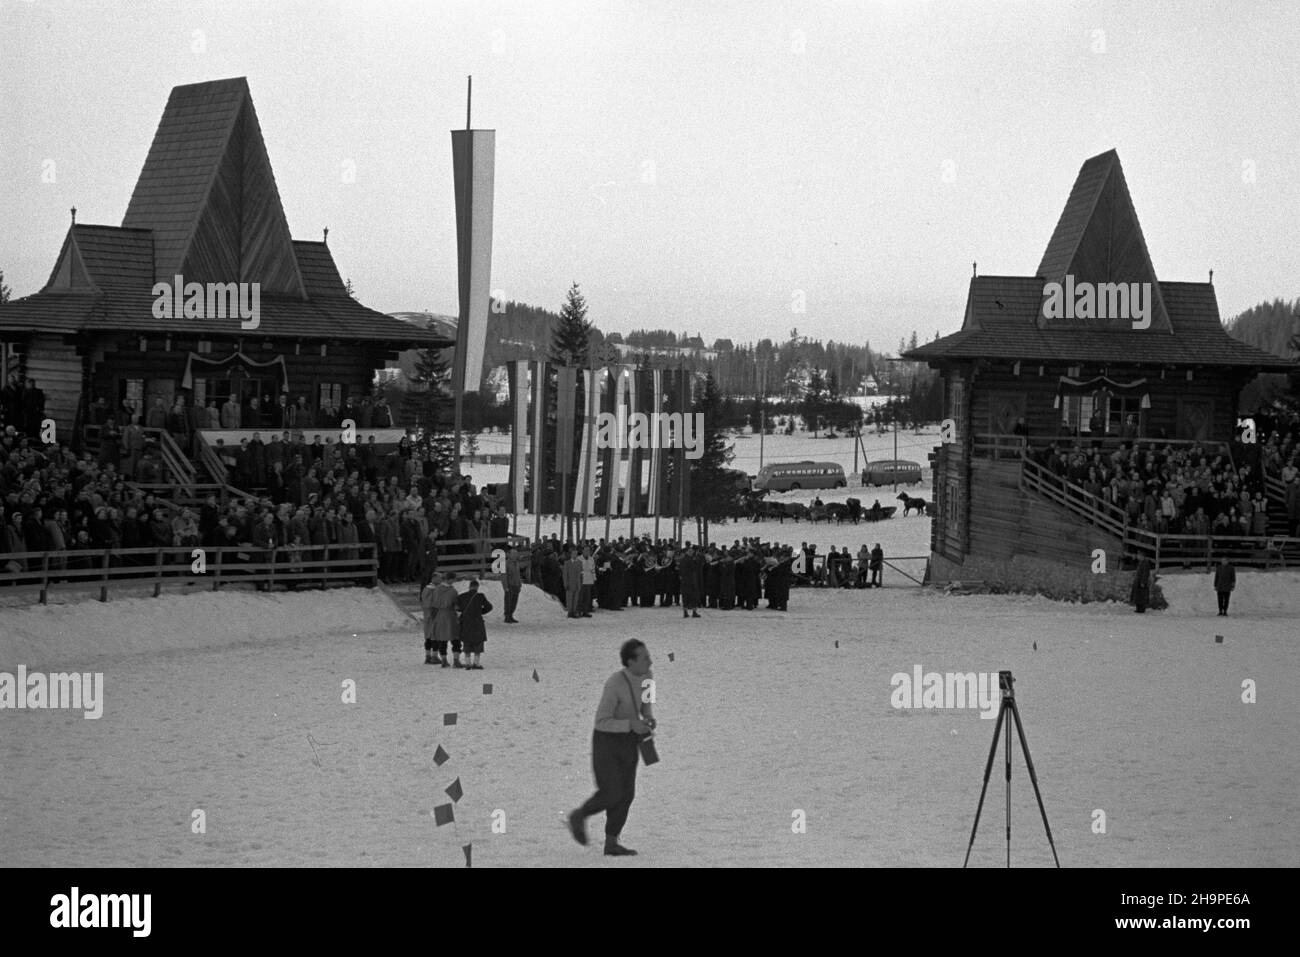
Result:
1180,489
73,505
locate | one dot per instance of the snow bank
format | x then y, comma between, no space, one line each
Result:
1257,593
56,634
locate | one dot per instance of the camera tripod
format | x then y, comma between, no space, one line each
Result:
1005,682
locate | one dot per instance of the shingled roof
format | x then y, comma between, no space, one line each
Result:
1097,239
205,207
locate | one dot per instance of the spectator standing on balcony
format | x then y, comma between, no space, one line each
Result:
33,408
157,417
231,414
1225,580
1130,430
133,446
1096,424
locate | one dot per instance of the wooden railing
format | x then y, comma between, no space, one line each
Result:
474,556
174,460
316,565
1160,548
178,497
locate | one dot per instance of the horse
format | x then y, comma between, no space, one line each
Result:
910,503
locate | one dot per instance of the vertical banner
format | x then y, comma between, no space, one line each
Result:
518,373
473,162
538,470
629,378
653,501
585,486
683,467
609,454
565,423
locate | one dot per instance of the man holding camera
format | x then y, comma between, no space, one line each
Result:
622,719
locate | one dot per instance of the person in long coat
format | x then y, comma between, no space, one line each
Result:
446,624
473,605
726,582
688,569
1225,580
648,580
1140,592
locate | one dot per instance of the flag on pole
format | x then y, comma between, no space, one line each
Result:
585,486
653,501
518,373
539,477
473,163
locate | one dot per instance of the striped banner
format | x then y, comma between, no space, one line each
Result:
630,486
565,409
539,436
653,498
608,455
518,373
585,486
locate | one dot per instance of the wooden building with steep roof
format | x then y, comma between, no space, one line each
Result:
206,208
1017,367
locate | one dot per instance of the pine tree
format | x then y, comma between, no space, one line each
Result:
713,493
427,405
571,333
5,291
813,404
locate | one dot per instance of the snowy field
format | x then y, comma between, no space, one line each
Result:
232,705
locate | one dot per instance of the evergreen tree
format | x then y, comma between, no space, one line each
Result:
427,405
813,405
5,291
713,493
571,333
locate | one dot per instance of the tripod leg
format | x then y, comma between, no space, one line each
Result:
988,769
1008,750
1029,762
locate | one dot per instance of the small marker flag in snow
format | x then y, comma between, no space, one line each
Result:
442,814
837,644
535,678
1218,639
449,718
441,757
454,791
670,656
1035,646
467,849
487,689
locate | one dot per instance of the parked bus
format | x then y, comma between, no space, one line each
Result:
788,475
890,471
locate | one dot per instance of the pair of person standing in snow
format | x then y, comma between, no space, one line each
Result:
456,619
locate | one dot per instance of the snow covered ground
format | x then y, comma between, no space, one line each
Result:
232,705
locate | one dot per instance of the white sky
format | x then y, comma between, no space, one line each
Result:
692,165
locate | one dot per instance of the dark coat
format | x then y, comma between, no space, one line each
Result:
688,569
1140,593
1225,578
473,605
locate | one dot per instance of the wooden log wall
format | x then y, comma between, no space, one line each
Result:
58,370
1006,521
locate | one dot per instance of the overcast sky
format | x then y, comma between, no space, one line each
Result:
694,166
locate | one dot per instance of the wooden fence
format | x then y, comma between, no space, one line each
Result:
102,569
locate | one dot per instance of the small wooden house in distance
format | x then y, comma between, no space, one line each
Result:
1093,348
205,209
